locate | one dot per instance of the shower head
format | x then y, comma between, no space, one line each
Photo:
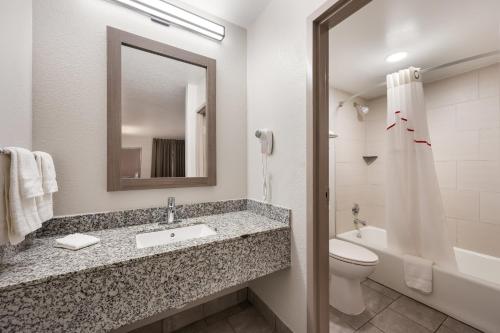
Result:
362,109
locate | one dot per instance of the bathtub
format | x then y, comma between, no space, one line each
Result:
470,294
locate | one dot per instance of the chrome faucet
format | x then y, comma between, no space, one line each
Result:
170,212
356,220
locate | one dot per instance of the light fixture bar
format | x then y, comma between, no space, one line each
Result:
166,12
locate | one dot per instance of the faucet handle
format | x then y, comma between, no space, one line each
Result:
355,209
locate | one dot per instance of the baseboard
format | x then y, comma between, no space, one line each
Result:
272,319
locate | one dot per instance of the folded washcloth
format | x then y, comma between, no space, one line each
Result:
24,185
418,273
76,241
46,168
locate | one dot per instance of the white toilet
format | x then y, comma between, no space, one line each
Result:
349,265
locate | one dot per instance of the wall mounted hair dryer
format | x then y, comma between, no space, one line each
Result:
266,140
266,148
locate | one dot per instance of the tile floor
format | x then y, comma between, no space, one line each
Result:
242,318
387,311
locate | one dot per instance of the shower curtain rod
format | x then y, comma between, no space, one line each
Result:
428,69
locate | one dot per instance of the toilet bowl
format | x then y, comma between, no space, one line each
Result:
349,265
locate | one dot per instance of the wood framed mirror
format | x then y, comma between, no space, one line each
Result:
161,115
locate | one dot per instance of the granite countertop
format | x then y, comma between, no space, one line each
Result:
41,261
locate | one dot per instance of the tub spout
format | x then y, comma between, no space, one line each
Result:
357,222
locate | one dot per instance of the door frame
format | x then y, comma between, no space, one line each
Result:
318,226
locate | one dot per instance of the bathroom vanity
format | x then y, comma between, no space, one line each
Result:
161,129
114,283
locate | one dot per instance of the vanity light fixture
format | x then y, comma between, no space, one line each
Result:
395,57
163,12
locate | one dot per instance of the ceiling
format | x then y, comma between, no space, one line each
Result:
241,13
154,93
432,32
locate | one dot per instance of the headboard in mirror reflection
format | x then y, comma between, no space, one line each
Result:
161,115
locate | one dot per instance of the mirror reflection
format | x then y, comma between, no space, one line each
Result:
164,123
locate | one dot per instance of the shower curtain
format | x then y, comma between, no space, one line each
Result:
416,221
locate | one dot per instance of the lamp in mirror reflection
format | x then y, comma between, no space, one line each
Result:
131,130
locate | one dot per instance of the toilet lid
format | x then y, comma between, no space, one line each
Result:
352,253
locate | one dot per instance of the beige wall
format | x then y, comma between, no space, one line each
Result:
464,121
146,145
278,62
15,73
195,98
69,102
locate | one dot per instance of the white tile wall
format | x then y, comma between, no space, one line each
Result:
375,148
489,144
490,207
346,196
489,81
374,214
480,237
458,89
478,114
350,168
456,145
376,172
447,174
350,174
377,104
442,120
374,132
374,195
348,150
463,205
343,221
464,122
479,175
452,230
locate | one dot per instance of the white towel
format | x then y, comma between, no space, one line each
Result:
25,185
4,205
76,241
418,273
46,168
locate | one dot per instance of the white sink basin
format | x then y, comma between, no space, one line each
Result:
170,236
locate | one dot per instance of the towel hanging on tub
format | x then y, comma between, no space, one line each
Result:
418,273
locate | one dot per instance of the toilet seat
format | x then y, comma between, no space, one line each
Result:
351,253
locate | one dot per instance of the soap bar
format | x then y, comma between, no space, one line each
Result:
76,241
